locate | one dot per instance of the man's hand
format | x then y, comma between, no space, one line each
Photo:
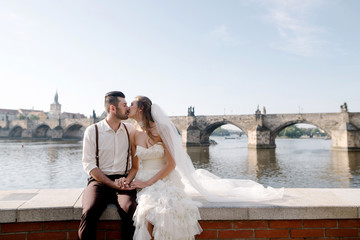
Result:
123,184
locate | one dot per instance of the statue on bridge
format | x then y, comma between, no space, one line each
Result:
344,107
257,112
191,111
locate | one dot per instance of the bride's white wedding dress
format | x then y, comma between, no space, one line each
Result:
165,203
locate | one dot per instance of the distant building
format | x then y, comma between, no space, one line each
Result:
10,114
31,114
65,115
55,113
55,108
40,115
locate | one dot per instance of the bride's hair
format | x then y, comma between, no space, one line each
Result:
144,103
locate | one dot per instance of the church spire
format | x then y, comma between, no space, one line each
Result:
56,98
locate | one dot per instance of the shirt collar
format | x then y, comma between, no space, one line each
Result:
108,128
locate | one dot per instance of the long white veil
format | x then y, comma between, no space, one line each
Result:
201,182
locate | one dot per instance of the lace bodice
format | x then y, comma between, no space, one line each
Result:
152,157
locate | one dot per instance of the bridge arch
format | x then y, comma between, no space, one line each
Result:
74,131
42,131
205,134
276,132
57,133
16,132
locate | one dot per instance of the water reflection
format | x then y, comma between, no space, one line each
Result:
306,163
262,163
294,163
340,168
354,166
199,154
41,164
53,153
346,167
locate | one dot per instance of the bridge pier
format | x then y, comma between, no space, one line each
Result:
346,138
259,137
27,133
57,133
192,136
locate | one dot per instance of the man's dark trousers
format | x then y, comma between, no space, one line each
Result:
96,197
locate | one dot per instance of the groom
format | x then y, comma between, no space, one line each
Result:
106,157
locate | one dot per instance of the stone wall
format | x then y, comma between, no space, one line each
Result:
314,229
301,214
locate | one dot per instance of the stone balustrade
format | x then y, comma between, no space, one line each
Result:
301,214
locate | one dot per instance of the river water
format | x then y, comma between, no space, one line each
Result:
308,163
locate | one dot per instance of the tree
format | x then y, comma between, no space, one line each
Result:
221,132
33,117
295,132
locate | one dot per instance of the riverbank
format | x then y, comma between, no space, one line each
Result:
302,213
305,137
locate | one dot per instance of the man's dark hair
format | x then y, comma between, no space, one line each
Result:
111,98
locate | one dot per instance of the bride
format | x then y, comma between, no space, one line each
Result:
168,180
164,210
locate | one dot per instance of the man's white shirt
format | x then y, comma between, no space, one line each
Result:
113,148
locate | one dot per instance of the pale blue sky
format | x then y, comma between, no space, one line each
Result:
219,56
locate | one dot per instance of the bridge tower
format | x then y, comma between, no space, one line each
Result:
55,108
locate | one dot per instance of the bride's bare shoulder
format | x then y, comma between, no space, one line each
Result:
139,132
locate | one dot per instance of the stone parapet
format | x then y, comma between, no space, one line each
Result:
302,213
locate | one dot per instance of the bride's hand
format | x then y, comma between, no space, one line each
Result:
138,184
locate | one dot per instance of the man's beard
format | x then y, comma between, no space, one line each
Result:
121,116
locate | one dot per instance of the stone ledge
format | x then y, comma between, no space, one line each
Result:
35,205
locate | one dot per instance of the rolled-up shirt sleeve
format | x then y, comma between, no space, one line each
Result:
88,159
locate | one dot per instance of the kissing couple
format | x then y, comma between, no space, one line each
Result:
154,201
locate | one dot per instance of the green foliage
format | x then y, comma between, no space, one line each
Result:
33,117
22,117
295,132
221,132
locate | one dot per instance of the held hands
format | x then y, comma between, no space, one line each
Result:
123,184
139,184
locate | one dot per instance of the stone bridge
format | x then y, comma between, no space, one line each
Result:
261,129
49,128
